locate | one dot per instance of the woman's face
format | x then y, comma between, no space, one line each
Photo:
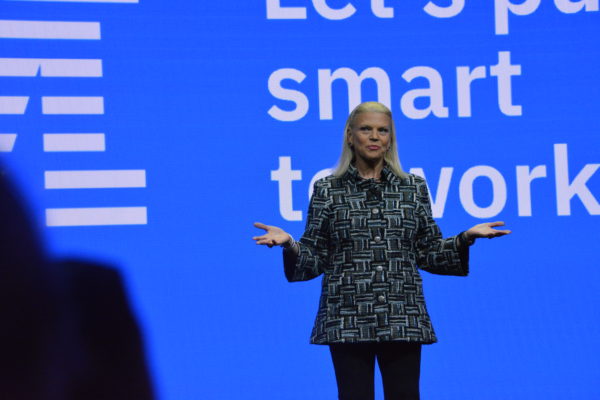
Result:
370,135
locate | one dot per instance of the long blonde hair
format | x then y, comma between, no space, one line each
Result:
391,157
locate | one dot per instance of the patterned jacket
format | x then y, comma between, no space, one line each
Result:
368,238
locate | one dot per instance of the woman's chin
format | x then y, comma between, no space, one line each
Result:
372,158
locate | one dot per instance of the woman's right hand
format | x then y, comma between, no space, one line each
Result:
274,237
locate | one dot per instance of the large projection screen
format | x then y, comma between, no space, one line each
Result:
150,135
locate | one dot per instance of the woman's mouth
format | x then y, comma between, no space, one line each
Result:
373,147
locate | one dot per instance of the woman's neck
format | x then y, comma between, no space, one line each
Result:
369,170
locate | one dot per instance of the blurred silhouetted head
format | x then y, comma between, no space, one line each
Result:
28,307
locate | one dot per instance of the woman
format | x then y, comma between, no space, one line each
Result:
369,228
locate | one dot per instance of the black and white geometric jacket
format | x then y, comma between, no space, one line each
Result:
368,238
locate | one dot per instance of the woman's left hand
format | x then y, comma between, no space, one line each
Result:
486,230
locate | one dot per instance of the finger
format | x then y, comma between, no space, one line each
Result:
495,223
260,225
500,232
266,241
258,237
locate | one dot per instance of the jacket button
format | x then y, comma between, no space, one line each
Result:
375,211
377,239
381,299
379,268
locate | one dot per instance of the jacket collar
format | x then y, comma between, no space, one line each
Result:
387,176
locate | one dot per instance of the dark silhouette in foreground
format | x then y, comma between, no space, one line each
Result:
67,330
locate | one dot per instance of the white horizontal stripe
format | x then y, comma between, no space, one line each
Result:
96,216
7,141
73,105
16,29
13,104
74,142
83,1
91,68
95,179
51,67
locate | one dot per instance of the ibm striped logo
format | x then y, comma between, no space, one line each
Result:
68,105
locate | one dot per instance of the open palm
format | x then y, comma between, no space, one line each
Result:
486,230
274,235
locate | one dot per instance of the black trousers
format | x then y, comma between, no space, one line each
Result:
399,363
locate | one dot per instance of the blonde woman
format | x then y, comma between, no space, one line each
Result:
368,230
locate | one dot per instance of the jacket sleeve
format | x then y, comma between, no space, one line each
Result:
313,247
449,256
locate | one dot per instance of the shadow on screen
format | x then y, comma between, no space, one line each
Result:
67,330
